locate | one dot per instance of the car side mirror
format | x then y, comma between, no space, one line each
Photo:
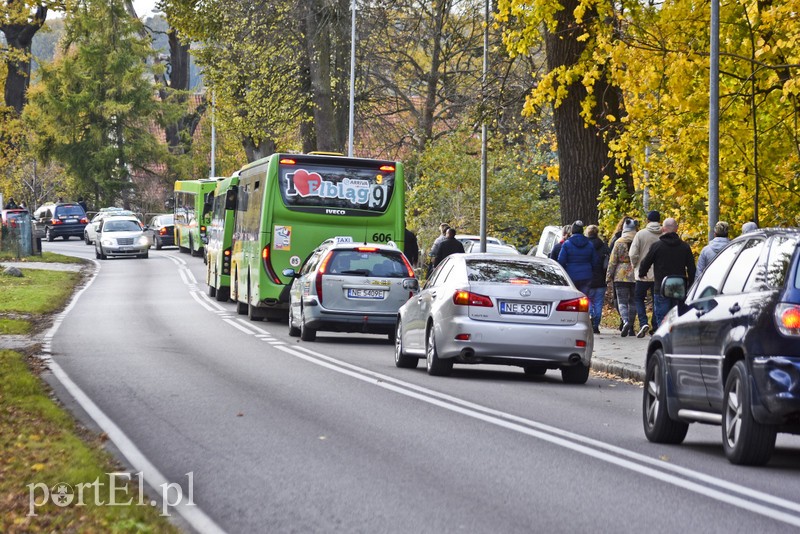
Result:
674,287
291,273
412,284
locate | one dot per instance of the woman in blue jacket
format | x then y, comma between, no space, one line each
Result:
579,258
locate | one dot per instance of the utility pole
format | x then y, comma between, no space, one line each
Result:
713,122
484,131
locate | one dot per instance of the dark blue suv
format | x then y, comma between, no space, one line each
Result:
730,355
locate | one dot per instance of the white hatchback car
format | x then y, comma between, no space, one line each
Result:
90,231
120,235
349,287
497,309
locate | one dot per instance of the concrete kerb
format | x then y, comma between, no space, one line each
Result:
619,356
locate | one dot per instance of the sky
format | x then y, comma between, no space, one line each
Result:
144,8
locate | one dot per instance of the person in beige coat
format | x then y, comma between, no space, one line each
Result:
640,246
620,273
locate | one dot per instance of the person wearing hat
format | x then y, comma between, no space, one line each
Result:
640,246
714,246
620,274
749,227
579,257
669,256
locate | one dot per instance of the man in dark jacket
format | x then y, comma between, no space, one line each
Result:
597,291
450,245
557,247
669,256
578,257
411,247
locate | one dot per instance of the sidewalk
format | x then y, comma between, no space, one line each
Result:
620,356
74,267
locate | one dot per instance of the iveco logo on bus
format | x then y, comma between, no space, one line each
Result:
335,212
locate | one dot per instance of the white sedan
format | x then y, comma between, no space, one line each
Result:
497,309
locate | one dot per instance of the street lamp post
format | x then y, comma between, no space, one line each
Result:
713,122
352,76
484,132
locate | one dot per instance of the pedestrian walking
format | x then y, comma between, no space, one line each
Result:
82,203
578,257
749,227
710,251
435,247
617,234
669,256
449,245
640,246
598,287
620,274
557,247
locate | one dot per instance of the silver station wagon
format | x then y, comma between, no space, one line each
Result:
349,287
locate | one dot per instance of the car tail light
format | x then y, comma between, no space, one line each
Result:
84,220
268,266
226,261
288,161
522,281
787,318
409,267
574,305
467,298
163,231
56,221
323,268
367,249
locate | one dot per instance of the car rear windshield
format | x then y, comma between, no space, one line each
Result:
382,263
121,226
166,220
69,210
515,271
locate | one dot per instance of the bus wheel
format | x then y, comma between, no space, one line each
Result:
212,291
306,333
223,294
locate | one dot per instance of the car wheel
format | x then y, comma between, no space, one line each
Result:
534,370
745,440
145,255
158,243
97,254
293,330
48,234
223,294
575,374
658,427
400,358
306,333
436,366
86,238
65,238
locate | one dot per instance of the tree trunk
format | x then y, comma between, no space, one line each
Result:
18,75
255,151
318,48
582,151
441,9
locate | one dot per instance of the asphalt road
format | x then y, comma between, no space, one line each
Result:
285,436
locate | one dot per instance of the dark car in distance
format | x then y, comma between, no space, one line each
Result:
730,355
161,231
62,219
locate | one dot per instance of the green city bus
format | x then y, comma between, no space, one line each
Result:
288,204
220,238
192,209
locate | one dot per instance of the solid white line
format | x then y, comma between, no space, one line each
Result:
182,273
218,307
192,514
190,275
515,423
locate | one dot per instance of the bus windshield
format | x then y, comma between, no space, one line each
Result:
307,187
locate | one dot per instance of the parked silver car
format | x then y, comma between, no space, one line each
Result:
497,309
120,235
491,248
348,287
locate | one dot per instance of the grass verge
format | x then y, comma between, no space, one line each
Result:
14,327
41,444
46,257
37,292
